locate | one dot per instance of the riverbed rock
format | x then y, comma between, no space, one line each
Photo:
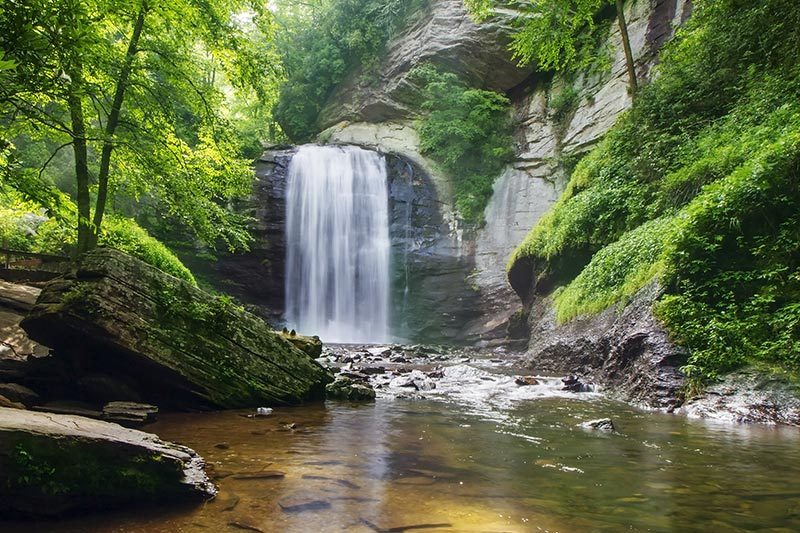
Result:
130,414
177,345
602,424
51,464
748,396
344,388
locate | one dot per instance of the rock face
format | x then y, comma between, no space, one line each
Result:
51,464
172,343
442,34
628,352
748,396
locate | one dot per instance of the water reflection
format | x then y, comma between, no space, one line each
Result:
444,466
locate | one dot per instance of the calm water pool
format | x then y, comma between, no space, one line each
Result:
475,461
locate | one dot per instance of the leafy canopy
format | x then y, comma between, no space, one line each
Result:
140,93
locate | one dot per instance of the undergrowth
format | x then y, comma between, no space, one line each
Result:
697,186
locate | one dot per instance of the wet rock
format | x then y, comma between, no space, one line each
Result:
748,396
373,370
264,474
629,352
119,316
601,424
302,507
5,402
525,381
90,464
222,446
344,388
573,384
130,414
70,407
244,526
19,393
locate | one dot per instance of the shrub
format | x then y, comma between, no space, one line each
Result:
466,131
127,236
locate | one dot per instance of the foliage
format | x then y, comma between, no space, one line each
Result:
558,35
468,132
25,226
323,43
127,236
138,93
697,184
616,272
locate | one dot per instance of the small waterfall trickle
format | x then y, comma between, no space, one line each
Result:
338,247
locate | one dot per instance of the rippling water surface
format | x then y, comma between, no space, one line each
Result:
477,455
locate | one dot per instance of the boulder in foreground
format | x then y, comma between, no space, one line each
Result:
174,344
51,464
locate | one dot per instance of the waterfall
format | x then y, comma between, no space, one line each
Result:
337,235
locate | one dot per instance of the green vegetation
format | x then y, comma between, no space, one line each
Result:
697,186
127,236
53,468
325,40
466,131
559,35
24,226
117,103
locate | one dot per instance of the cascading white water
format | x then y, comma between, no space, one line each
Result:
337,234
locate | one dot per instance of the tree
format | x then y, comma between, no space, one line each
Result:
132,87
548,32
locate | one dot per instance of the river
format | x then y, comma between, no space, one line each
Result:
478,453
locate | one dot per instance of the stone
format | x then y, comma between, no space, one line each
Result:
748,395
264,474
19,393
344,388
602,424
51,464
302,507
5,402
442,34
524,381
312,346
130,414
182,347
70,407
627,351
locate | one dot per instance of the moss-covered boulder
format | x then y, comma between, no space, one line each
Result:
175,344
51,464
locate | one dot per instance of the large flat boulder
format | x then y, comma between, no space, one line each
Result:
176,345
51,464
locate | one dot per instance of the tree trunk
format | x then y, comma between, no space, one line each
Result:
113,122
81,160
633,84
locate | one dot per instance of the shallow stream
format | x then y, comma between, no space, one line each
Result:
478,453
